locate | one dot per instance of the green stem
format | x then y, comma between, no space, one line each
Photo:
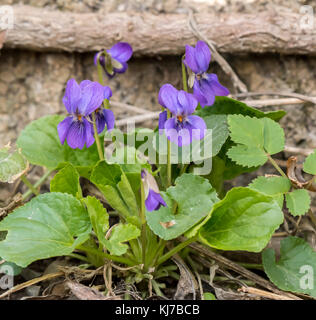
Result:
169,173
79,257
184,168
29,185
107,256
184,77
160,248
256,266
106,102
143,222
96,137
175,250
37,184
276,166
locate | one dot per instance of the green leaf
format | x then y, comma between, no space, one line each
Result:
255,139
295,270
67,181
224,105
209,296
273,136
272,186
246,130
98,216
12,165
298,202
116,188
244,220
194,197
41,146
232,169
309,165
52,224
247,156
121,233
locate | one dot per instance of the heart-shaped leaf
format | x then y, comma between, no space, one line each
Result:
244,220
295,270
52,224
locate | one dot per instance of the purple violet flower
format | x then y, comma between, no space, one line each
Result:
104,116
205,85
119,54
80,101
182,127
153,198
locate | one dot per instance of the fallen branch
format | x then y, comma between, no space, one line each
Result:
164,34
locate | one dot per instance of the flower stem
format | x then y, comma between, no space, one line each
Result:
29,185
106,255
169,173
175,250
106,102
184,77
276,166
143,222
79,257
37,184
96,137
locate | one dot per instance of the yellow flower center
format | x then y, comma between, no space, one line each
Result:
180,118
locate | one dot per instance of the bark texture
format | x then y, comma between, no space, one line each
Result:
40,29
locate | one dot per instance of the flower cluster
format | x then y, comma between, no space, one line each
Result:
114,60
205,85
84,103
80,102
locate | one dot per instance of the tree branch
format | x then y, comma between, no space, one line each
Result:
164,34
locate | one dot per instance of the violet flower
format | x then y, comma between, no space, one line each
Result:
114,60
152,194
80,101
205,85
104,116
182,127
